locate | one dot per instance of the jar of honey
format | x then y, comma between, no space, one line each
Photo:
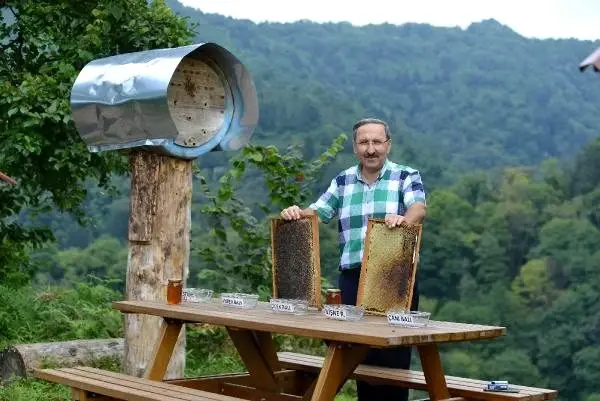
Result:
334,296
174,290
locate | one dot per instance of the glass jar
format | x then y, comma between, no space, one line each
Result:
334,296
174,290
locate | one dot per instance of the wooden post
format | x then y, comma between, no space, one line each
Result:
159,247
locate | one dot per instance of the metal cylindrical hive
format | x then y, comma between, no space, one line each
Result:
182,102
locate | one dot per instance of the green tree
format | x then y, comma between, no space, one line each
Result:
515,366
534,285
569,245
104,259
586,172
235,252
44,44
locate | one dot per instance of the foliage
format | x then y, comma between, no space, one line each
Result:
58,314
457,99
34,390
235,253
513,246
44,44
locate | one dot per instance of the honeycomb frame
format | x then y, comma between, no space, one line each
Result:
382,270
291,243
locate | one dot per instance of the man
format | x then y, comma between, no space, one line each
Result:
378,188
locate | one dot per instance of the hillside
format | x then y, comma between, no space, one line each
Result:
480,98
512,236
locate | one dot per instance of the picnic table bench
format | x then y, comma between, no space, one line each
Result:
96,384
468,389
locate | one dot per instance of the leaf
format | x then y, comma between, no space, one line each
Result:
256,157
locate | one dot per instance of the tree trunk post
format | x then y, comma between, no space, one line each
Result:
159,248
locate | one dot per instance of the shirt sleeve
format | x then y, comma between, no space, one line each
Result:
412,189
327,205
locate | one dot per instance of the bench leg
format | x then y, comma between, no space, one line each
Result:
433,371
341,360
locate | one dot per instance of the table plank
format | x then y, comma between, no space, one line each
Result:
372,330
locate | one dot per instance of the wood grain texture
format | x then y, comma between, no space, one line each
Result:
371,330
62,353
286,380
388,267
340,361
124,387
159,246
433,372
295,253
196,100
163,350
457,386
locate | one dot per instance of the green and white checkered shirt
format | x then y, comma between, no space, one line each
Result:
353,201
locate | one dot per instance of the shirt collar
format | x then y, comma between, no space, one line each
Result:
386,166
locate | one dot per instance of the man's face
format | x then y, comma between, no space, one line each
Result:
371,146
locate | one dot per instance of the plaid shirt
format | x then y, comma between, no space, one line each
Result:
353,201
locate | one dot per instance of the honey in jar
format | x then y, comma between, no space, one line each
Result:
334,296
174,290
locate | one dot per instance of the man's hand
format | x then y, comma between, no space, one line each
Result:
394,220
292,213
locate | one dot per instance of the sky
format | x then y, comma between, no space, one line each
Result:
531,18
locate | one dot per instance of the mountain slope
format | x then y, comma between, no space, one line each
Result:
480,98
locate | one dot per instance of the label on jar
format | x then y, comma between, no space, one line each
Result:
233,301
283,307
400,319
339,314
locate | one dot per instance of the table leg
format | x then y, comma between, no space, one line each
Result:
433,371
258,353
340,361
163,349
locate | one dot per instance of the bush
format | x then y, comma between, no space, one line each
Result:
58,314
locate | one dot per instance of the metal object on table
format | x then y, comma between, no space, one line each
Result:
181,102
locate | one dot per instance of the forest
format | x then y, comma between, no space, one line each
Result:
503,128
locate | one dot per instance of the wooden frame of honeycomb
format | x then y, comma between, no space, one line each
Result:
296,266
389,266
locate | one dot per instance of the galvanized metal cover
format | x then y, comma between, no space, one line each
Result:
591,60
182,102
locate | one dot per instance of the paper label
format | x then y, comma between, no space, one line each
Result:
232,301
400,319
283,307
339,314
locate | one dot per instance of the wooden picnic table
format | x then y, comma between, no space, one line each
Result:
251,332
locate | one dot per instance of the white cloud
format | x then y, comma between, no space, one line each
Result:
531,18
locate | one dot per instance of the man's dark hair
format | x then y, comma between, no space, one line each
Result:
364,121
